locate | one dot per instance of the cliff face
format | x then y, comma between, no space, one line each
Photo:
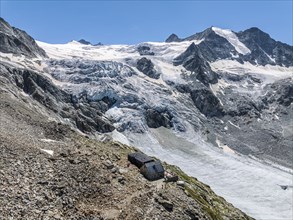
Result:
16,41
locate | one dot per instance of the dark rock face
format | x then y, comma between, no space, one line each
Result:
193,60
79,110
264,49
257,124
201,70
173,38
145,50
207,102
241,106
146,66
183,88
92,123
83,41
237,103
157,119
213,46
280,92
40,88
262,46
16,41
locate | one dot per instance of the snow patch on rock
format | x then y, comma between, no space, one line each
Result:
233,39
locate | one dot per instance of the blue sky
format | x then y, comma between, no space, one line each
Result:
130,22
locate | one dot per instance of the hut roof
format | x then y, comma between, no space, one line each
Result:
139,158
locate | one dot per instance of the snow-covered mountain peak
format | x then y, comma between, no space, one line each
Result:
74,42
233,39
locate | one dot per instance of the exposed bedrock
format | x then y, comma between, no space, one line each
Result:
157,119
200,69
16,41
86,115
146,66
207,102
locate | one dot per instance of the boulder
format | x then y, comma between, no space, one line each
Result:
157,119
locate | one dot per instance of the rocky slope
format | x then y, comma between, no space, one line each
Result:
213,91
16,41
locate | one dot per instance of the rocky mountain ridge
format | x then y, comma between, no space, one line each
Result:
260,47
16,41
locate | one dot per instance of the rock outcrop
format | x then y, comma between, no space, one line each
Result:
78,111
264,49
146,66
145,50
16,41
207,102
157,119
280,92
193,61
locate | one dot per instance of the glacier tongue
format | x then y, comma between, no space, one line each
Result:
233,39
249,185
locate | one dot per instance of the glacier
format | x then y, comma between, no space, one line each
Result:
248,184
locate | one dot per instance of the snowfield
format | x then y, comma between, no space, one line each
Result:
74,49
267,73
